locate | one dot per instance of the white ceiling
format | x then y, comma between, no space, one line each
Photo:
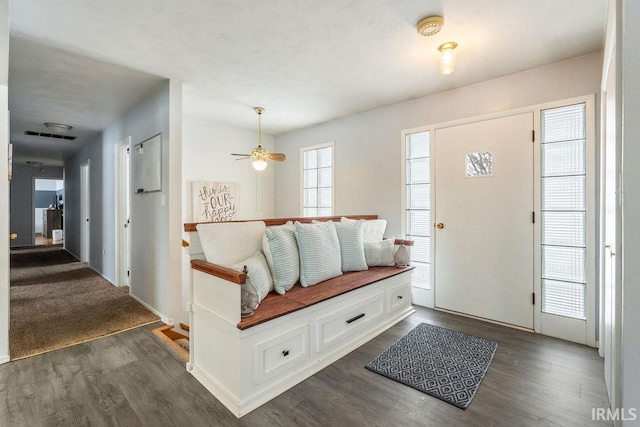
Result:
306,61
51,85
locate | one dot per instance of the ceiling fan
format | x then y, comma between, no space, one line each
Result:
259,154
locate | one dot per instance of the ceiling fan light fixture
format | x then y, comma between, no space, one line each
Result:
447,57
58,128
259,165
260,155
430,25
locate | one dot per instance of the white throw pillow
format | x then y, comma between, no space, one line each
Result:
351,245
258,274
281,250
380,253
319,252
228,243
373,230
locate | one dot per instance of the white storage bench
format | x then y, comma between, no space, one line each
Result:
247,362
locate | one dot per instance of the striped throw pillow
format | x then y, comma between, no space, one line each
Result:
281,250
380,253
319,252
373,229
258,275
351,245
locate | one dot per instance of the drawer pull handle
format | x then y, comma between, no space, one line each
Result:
353,319
285,353
399,296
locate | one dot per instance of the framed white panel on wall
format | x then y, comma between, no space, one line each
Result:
147,160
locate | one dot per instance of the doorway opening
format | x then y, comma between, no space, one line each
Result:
48,211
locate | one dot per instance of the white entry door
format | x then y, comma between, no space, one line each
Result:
483,211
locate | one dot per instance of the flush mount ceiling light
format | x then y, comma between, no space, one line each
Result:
430,25
58,128
260,155
447,57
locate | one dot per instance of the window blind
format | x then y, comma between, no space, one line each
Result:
418,205
563,190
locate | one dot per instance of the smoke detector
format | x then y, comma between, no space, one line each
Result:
430,25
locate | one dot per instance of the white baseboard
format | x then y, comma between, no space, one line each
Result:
102,275
163,318
4,359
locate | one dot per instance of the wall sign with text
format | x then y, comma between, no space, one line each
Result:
214,201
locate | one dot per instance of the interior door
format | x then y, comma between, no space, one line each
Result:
612,289
123,214
483,210
84,212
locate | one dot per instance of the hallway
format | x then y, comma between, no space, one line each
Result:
57,301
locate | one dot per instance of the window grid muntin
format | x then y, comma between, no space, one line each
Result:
418,204
564,268
317,181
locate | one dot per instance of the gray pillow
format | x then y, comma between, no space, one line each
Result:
258,274
319,252
351,245
281,250
380,253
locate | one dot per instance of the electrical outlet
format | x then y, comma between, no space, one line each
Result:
104,251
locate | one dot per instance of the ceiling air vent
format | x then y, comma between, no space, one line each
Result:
49,135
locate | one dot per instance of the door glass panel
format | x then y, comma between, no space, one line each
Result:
563,190
418,205
564,228
479,164
563,298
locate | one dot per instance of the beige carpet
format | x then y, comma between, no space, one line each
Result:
57,301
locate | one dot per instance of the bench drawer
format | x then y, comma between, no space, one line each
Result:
281,353
349,320
398,297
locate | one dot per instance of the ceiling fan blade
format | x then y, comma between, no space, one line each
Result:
278,157
243,158
244,155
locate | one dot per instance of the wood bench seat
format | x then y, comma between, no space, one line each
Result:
275,305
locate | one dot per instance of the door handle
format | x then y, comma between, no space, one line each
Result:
87,219
440,226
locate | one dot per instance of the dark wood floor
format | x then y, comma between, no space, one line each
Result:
131,380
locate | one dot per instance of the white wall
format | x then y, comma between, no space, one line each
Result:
630,50
4,183
155,217
367,145
206,157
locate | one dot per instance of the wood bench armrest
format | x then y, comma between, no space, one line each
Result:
225,273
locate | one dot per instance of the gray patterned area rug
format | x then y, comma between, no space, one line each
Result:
443,363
